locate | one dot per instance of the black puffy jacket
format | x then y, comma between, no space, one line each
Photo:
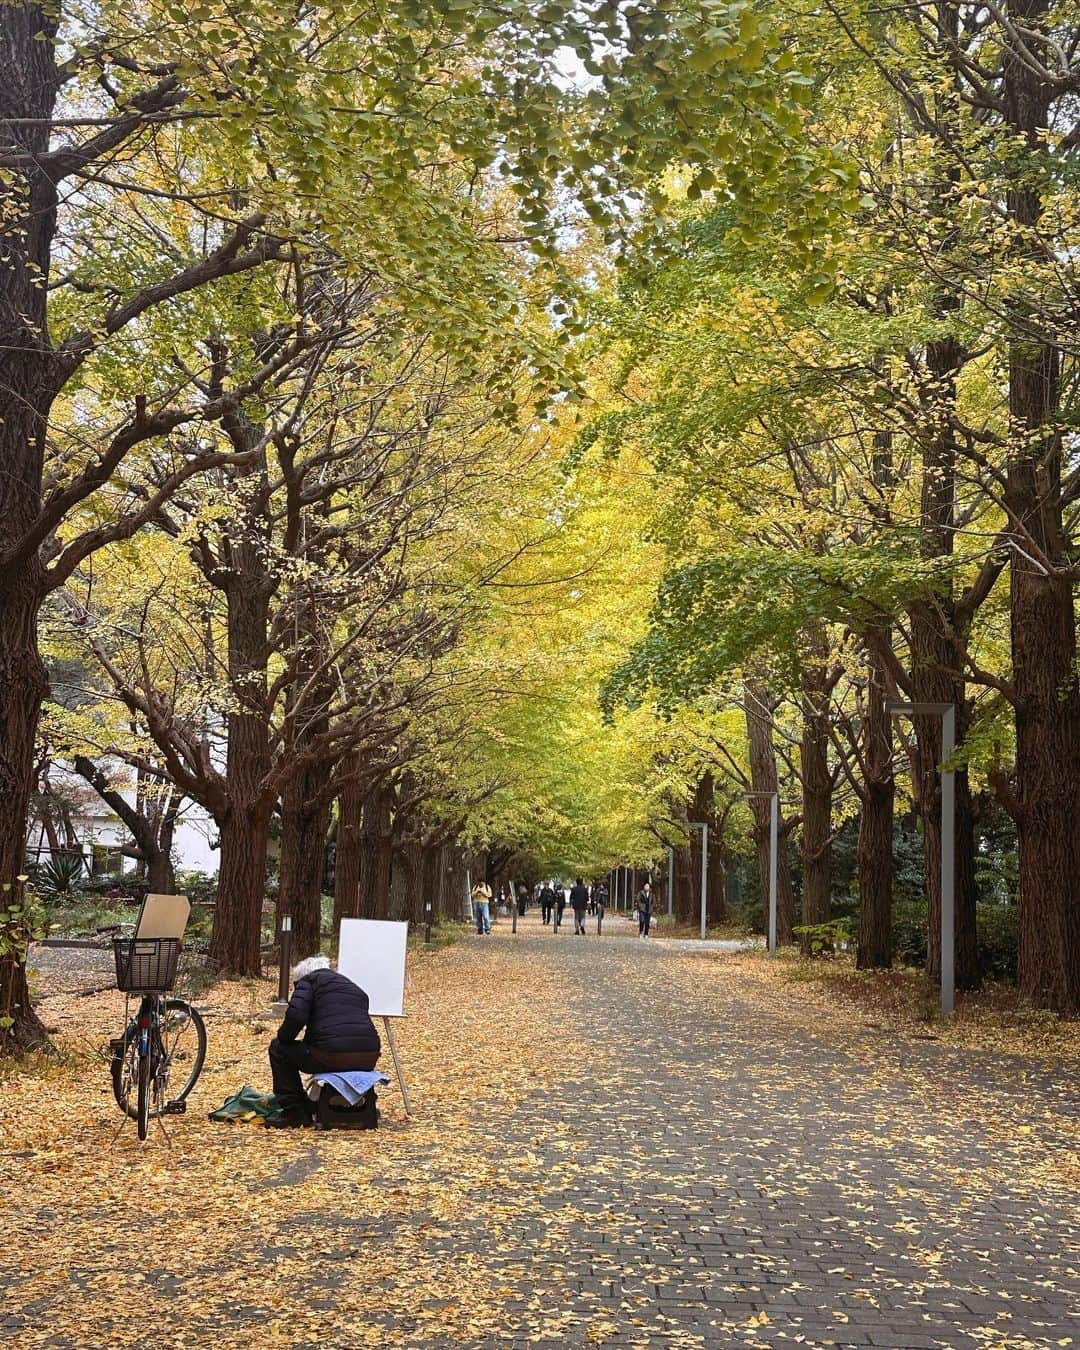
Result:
334,1010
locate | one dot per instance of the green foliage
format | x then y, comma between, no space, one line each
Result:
21,922
825,939
199,887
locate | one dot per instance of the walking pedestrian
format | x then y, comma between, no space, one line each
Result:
600,894
547,902
481,895
560,904
523,898
579,901
644,909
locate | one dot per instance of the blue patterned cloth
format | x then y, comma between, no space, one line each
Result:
353,1084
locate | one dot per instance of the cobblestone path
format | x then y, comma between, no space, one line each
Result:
732,1178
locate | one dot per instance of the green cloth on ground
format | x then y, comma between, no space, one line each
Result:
247,1104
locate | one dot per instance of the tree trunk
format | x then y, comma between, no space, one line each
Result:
764,779
305,819
429,883
875,847
1042,613
23,685
376,855
817,788
237,932
160,873
242,879
717,911
27,227
347,859
704,808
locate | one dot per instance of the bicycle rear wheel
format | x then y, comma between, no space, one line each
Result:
180,1048
182,1051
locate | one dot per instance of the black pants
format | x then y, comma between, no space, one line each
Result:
289,1059
559,913
643,921
545,910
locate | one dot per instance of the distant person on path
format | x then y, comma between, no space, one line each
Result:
644,909
547,901
579,900
600,897
560,904
523,897
481,895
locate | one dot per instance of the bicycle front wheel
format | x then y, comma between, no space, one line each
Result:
142,1116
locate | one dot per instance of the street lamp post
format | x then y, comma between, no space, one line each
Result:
947,713
703,826
774,854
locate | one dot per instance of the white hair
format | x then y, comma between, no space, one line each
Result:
309,965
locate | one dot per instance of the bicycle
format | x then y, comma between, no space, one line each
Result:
165,1034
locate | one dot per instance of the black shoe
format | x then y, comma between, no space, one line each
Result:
288,1120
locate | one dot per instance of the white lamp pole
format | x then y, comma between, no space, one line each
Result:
947,713
703,826
774,854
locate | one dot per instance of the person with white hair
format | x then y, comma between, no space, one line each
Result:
339,1035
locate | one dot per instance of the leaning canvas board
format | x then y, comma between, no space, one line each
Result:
163,916
371,952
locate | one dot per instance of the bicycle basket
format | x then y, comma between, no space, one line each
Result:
146,965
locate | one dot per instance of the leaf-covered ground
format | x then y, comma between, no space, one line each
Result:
614,1143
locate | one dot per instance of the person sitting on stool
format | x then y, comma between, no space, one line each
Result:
340,1036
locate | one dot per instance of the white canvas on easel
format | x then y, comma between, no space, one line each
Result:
371,953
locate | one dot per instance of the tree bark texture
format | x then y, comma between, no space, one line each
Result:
376,855
349,845
305,820
817,788
704,808
875,846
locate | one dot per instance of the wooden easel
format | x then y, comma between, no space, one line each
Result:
397,1065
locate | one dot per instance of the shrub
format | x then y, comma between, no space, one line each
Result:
199,887
824,939
60,875
998,937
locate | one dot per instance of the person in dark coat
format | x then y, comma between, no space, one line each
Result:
644,909
547,900
600,897
560,904
579,900
339,1035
